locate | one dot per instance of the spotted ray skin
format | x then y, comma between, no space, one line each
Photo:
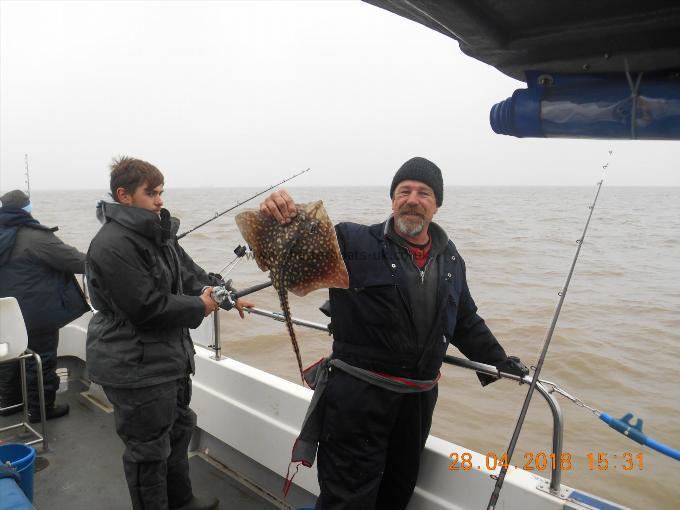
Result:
301,256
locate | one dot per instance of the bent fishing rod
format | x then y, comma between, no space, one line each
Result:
562,294
217,215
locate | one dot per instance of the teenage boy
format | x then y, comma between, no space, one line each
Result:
148,292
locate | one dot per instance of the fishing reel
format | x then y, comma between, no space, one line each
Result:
225,295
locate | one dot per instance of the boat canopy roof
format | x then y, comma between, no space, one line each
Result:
558,36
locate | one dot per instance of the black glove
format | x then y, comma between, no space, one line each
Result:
510,365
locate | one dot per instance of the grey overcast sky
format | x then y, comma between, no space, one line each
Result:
245,93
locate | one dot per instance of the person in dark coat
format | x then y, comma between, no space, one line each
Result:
37,269
407,300
147,292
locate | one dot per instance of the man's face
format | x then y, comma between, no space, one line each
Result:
143,197
414,205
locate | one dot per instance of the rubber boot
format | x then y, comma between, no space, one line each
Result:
207,503
53,411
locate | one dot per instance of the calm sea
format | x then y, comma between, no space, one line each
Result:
617,342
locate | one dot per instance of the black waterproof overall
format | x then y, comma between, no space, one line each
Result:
372,438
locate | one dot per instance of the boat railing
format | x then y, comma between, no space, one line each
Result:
555,409
217,344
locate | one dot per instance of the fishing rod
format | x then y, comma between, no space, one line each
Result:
622,425
217,215
522,415
28,180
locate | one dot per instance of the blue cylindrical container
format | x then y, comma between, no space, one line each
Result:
592,106
22,458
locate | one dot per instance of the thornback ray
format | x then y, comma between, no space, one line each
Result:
301,256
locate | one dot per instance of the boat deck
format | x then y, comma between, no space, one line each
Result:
84,467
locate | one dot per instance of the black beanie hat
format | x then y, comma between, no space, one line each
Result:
423,170
15,198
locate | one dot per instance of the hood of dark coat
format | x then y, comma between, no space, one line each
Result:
141,221
11,218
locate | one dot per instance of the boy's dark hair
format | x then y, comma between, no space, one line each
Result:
130,174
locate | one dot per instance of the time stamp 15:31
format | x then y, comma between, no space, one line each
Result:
542,461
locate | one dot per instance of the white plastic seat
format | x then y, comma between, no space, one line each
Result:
13,336
14,347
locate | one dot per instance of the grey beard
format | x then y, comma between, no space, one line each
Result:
409,228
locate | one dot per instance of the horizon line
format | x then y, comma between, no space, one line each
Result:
384,186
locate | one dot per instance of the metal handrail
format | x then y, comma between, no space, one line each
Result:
555,409
217,345
279,316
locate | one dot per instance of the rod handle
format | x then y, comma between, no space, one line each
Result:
252,289
624,426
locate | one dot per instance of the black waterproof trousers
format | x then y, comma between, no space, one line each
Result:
45,344
155,424
371,442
